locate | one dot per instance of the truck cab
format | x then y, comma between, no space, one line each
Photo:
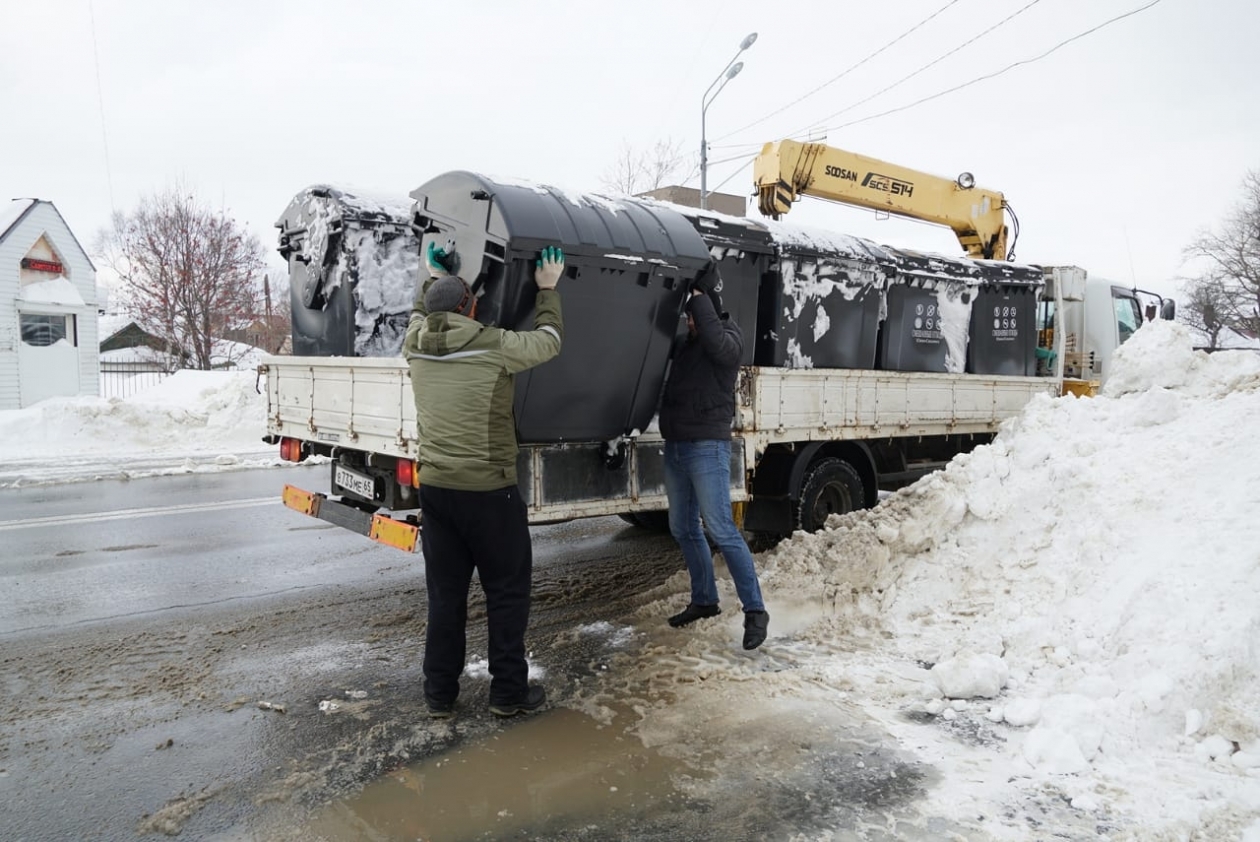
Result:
1098,316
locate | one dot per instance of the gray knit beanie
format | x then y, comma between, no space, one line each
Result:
449,294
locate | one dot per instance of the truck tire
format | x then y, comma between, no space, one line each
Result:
831,487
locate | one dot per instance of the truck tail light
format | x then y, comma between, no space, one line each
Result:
407,474
290,450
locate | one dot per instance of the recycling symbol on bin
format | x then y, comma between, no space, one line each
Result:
1004,318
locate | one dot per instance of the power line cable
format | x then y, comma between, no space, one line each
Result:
733,174
748,159
100,100
846,72
930,64
996,73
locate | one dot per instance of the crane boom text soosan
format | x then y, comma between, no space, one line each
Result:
864,368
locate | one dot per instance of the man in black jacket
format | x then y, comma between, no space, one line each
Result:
696,413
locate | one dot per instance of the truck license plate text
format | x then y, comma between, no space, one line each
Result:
354,481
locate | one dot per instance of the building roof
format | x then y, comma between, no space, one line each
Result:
11,215
18,209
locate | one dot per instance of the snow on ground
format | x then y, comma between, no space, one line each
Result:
1065,624
1058,636
192,421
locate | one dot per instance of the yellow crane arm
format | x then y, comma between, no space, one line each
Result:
785,170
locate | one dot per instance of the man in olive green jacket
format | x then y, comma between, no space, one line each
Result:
472,514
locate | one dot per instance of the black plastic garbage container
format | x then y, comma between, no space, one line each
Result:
1004,319
929,304
822,305
628,265
741,251
353,260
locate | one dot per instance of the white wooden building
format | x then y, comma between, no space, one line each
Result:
48,315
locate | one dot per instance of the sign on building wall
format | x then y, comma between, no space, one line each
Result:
53,267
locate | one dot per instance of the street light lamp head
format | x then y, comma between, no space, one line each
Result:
748,41
734,71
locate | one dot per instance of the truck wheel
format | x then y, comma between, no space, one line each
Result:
832,487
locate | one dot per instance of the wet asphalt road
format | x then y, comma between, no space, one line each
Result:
183,656
165,645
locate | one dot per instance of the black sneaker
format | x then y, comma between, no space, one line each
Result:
535,697
692,613
755,625
440,710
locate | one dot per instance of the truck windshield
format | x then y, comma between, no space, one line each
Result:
1128,313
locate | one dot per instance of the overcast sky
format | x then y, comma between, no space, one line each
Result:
1114,150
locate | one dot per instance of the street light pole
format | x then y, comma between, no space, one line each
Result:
728,73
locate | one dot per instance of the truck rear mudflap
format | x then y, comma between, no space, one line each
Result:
402,535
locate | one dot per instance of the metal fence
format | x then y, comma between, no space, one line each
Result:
124,379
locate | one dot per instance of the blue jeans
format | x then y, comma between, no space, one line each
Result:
698,482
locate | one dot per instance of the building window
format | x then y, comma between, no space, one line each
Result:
41,330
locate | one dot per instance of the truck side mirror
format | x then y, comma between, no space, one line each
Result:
1168,310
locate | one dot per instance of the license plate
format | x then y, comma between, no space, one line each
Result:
362,485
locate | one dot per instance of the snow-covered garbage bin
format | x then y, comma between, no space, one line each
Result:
822,305
928,314
353,260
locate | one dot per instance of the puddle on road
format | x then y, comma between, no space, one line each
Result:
559,769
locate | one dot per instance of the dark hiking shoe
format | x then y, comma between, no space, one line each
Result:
439,710
535,697
755,625
692,613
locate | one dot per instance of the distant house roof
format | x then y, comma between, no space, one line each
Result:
1234,338
1229,339
18,210
130,335
107,324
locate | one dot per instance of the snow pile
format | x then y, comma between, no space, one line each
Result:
57,291
1060,627
1089,583
190,414
1137,368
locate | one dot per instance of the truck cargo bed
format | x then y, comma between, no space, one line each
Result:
792,405
366,404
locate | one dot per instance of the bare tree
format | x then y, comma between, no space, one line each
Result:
1231,255
276,314
637,171
1207,308
624,174
189,273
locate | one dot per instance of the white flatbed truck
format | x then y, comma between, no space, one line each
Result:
806,443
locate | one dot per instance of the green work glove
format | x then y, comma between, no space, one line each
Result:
438,260
549,267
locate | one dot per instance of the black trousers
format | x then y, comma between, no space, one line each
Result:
486,531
